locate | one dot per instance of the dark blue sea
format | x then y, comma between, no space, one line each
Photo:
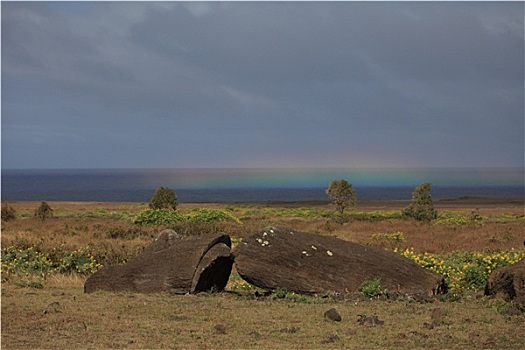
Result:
253,185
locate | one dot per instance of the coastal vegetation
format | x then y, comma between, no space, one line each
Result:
46,262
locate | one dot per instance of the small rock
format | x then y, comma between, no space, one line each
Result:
292,329
220,329
330,339
369,321
333,315
53,307
513,311
428,325
438,316
490,341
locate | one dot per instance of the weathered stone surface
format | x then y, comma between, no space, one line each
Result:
509,281
278,257
170,264
333,315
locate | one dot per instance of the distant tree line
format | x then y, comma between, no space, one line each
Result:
341,193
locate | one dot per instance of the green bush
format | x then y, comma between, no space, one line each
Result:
465,270
164,198
80,261
200,215
421,208
44,211
372,288
374,216
29,261
396,236
8,213
283,293
157,217
475,277
24,262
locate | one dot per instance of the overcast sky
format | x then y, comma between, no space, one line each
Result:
262,84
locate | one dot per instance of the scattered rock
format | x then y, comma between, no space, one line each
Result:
369,321
263,295
429,325
53,307
308,263
220,329
333,315
170,264
438,316
330,339
291,329
514,311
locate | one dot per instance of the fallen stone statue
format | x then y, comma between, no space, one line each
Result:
509,282
170,264
308,263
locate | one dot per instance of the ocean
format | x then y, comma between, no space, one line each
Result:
254,185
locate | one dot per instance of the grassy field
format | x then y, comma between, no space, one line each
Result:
45,264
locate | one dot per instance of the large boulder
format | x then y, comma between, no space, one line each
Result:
509,282
278,257
170,264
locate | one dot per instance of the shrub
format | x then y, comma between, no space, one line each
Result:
164,198
44,211
475,276
283,293
80,260
8,213
372,288
20,261
157,217
396,236
30,261
200,215
465,270
374,216
421,208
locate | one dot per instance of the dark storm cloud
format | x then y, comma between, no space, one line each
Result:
262,84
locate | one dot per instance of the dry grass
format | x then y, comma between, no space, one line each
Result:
439,239
61,316
66,318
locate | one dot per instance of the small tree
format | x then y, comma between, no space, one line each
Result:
164,198
421,208
44,211
8,213
342,194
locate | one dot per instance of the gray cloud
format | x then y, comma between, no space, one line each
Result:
264,83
